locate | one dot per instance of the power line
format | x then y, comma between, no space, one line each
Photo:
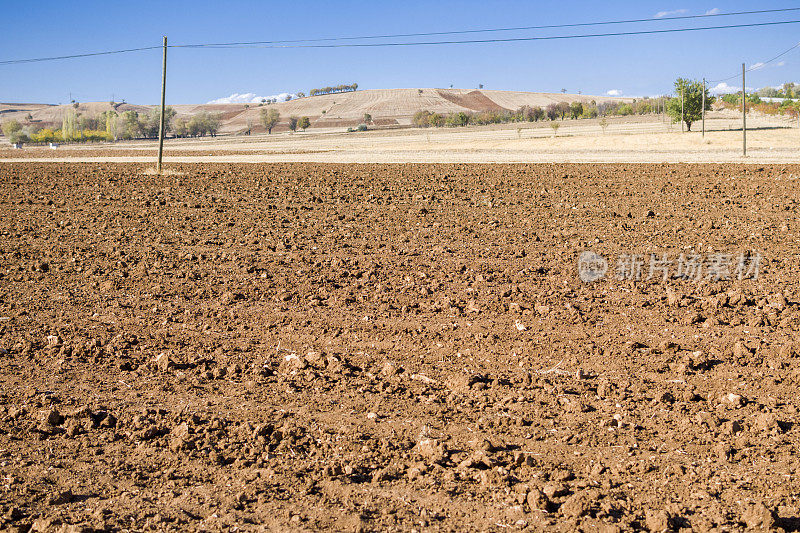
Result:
274,44
73,56
486,41
490,30
757,66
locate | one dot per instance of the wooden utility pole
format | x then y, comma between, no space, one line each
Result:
163,96
704,107
744,116
682,91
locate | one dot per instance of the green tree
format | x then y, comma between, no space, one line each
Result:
69,126
625,110
11,127
768,92
367,118
181,127
197,127
89,123
203,124
293,120
269,117
421,119
304,123
692,91
108,121
213,122
153,122
131,127
13,131
575,109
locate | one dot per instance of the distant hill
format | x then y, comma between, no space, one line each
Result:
388,107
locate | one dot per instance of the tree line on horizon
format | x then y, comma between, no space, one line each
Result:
111,125
554,111
332,90
693,96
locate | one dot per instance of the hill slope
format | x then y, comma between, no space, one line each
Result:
386,106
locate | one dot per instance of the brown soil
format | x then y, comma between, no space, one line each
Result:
394,347
474,100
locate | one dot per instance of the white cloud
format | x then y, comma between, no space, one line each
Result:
714,11
614,92
250,98
662,14
724,88
721,88
760,65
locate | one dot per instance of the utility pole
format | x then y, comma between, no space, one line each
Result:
704,107
163,96
682,90
744,116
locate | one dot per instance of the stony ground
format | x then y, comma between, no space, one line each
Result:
396,347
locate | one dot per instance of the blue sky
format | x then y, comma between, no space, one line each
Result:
633,65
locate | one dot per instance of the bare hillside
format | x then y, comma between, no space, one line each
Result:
388,107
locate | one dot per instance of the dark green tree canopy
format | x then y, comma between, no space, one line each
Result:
692,91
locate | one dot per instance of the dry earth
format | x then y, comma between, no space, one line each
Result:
394,347
629,139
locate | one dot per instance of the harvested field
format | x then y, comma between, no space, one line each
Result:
387,107
395,347
473,100
771,140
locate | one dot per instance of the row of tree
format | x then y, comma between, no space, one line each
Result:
198,125
690,95
753,102
110,125
133,125
554,111
331,90
788,90
270,118
16,133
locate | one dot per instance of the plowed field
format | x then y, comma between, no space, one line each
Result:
300,347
